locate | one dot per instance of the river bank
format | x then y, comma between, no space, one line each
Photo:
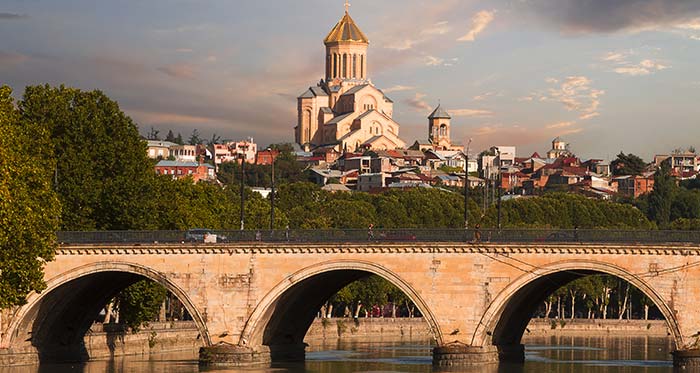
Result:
106,341
593,327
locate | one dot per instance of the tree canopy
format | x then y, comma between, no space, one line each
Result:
29,208
627,164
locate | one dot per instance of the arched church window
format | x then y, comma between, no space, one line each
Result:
345,66
328,65
354,66
362,66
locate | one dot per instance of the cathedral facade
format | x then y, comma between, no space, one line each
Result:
345,110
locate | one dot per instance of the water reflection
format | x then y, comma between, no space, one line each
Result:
567,354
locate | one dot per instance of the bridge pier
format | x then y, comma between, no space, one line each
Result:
457,354
686,358
511,353
224,355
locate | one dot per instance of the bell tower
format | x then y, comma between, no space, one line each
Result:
346,50
439,128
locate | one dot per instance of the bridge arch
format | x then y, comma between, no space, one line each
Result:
315,284
71,301
507,316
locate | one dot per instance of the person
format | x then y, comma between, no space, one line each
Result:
477,233
258,236
370,232
286,232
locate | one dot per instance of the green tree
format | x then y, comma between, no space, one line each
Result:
661,198
170,137
179,140
140,303
101,160
29,209
195,138
627,164
153,134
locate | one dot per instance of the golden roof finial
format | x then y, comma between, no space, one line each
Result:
347,6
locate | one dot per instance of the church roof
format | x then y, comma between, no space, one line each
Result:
337,119
363,115
346,30
313,92
439,113
355,89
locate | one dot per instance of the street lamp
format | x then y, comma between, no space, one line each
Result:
272,194
499,180
466,187
242,158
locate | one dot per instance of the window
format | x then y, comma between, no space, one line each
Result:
345,66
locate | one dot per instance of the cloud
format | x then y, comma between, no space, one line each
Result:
180,70
398,88
433,61
621,64
560,125
471,113
693,24
418,103
645,67
12,16
486,95
439,28
607,16
575,93
437,61
11,58
479,23
402,45
614,57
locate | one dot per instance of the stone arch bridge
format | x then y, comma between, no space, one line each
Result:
254,301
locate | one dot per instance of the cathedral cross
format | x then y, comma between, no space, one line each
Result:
347,6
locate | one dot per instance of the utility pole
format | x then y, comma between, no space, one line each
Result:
499,180
466,187
242,157
272,194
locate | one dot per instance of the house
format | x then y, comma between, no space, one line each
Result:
185,153
323,176
266,157
679,161
367,182
335,188
234,151
156,149
449,158
635,186
198,171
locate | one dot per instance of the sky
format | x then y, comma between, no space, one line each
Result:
606,76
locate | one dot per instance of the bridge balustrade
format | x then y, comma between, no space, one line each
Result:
390,235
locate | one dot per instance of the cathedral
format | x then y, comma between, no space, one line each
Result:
345,110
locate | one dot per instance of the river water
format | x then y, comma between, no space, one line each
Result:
543,354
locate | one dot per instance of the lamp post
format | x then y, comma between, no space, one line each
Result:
242,158
499,181
466,187
272,194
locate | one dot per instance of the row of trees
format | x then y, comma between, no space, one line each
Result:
367,297
599,297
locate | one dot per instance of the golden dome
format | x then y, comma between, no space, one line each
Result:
346,30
